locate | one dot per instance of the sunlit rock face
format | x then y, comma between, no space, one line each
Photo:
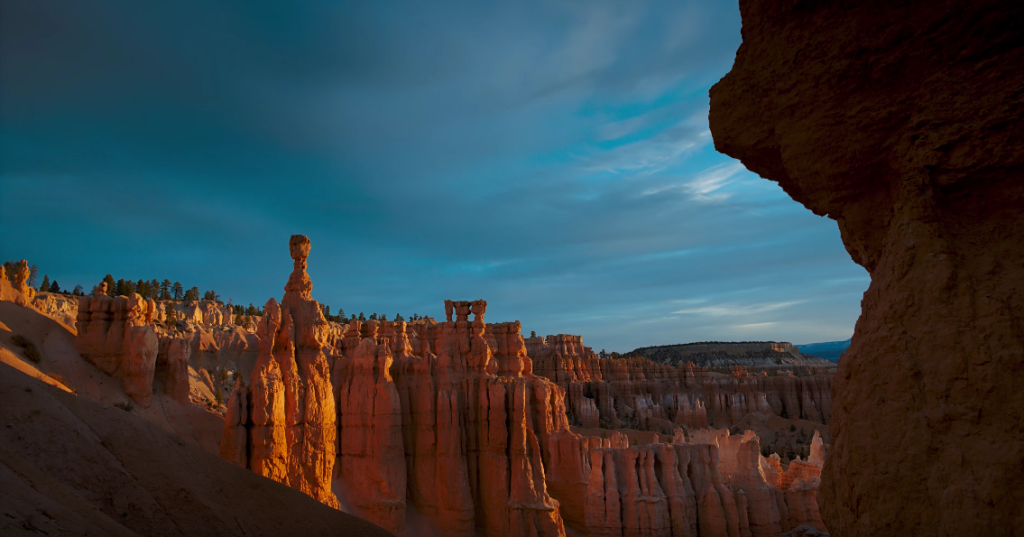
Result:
442,416
116,335
902,122
444,428
283,424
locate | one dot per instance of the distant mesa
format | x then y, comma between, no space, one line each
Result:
752,355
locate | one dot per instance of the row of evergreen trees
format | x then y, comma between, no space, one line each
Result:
373,317
253,311
157,290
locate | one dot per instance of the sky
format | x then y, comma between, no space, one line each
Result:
552,158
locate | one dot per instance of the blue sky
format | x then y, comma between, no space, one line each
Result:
552,158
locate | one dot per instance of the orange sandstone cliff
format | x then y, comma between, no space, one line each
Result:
444,428
902,122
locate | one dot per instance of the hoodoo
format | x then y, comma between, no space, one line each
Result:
288,426
903,122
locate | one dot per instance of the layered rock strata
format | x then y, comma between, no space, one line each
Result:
469,440
640,394
902,122
711,484
449,420
116,335
283,424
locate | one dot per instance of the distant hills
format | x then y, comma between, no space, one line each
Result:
830,350
753,355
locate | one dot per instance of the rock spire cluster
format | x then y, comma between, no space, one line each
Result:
282,425
450,420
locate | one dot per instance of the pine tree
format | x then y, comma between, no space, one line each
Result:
398,317
33,275
111,291
78,291
142,288
341,314
45,286
251,311
533,333
179,291
54,287
353,317
165,290
172,315
361,316
192,294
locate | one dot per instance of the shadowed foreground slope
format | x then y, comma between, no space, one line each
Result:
903,122
72,466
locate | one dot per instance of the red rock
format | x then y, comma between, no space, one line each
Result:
640,394
293,419
10,292
371,458
234,442
901,121
114,335
19,281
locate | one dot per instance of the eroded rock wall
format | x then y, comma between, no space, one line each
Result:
784,409
116,335
902,122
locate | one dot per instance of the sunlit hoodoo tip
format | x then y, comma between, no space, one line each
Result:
299,246
462,309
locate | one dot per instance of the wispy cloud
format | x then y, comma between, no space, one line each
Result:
553,158
736,309
705,184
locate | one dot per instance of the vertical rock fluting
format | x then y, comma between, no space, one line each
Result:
291,416
115,335
902,122
448,419
711,484
638,393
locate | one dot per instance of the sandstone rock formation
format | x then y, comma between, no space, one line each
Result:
711,484
115,335
449,420
901,121
7,291
15,289
63,308
784,409
19,280
291,417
